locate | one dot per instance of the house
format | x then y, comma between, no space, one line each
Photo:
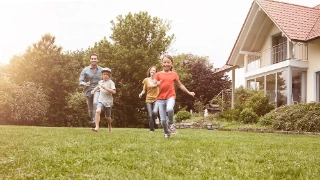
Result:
278,48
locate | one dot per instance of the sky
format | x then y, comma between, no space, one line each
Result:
202,27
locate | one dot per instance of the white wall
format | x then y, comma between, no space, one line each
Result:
314,66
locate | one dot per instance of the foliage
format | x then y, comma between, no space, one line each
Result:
77,109
182,115
29,104
199,107
79,153
267,119
6,98
44,64
248,116
138,42
197,74
223,99
229,115
247,99
259,102
298,117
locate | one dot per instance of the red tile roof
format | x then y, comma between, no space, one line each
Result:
224,68
299,23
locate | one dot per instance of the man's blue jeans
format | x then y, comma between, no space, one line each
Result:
92,102
166,106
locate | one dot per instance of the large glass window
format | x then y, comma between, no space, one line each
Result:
271,86
318,86
296,86
282,88
251,84
260,83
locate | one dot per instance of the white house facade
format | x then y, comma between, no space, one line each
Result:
279,49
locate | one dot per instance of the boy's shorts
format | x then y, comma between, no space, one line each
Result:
107,110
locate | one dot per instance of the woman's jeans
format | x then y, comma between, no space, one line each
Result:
166,107
152,109
92,102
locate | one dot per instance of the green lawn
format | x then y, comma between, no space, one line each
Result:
79,153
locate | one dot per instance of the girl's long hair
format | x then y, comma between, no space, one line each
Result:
148,72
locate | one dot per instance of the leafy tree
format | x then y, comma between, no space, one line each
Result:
44,64
198,76
5,99
29,104
138,42
77,110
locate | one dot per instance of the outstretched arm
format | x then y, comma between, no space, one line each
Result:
183,88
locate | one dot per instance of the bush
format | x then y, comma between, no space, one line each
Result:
30,104
182,115
259,102
247,98
6,99
299,117
229,115
267,119
248,116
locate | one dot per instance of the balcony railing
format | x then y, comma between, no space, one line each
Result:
277,54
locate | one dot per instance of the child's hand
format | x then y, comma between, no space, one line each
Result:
92,92
159,82
192,94
140,95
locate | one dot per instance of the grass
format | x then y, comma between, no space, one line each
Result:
79,153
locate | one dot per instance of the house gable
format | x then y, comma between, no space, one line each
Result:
297,23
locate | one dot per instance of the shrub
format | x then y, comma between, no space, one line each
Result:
248,116
6,99
182,115
267,119
30,104
259,102
248,98
311,120
230,115
299,117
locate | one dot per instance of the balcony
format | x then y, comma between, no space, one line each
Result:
277,54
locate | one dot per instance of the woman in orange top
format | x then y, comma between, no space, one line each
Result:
151,96
167,94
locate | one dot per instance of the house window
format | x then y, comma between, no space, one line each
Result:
282,88
279,48
260,83
296,86
251,84
318,86
271,87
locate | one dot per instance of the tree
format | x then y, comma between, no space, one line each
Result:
138,42
29,105
6,98
202,80
44,64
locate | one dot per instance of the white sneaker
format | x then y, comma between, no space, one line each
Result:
167,135
173,129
